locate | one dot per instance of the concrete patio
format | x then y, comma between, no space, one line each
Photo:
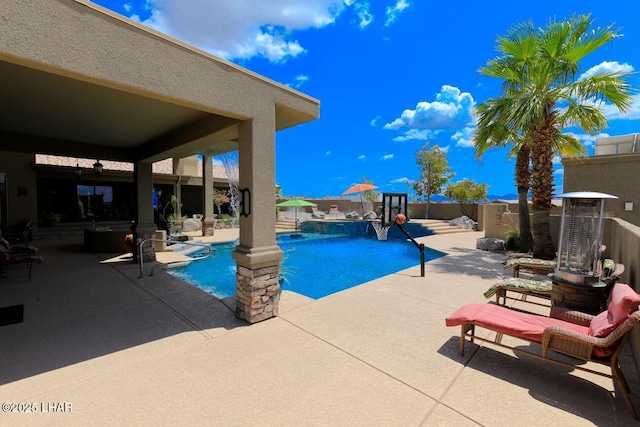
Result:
117,349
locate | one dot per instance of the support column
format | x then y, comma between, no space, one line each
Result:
257,256
208,222
144,225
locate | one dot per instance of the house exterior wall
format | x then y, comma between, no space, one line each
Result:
22,188
611,174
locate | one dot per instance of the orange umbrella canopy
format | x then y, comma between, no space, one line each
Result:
359,187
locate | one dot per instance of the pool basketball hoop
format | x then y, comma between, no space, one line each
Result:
393,204
394,212
380,229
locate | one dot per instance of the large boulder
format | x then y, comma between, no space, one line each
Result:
370,215
490,244
352,215
191,224
463,222
318,215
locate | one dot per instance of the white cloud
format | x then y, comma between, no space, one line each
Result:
328,153
298,81
559,172
400,180
374,122
243,29
365,17
452,110
387,157
127,7
362,157
464,137
607,67
394,11
556,160
423,134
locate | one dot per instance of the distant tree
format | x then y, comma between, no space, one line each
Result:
220,197
434,173
370,195
544,91
466,191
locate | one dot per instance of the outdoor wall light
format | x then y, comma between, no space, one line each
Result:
97,168
77,171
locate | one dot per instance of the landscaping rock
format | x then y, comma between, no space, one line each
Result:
463,222
352,215
370,215
490,244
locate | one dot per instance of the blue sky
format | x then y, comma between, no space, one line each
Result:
389,74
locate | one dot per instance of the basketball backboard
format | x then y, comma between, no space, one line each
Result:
392,205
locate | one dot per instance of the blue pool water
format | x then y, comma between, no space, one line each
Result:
320,264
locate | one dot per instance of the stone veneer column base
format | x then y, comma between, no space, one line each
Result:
208,227
257,293
142,233
257,283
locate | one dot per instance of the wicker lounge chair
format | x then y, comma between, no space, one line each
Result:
598,339
27,258
541,288
530,266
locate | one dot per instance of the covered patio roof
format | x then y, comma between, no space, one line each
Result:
80,80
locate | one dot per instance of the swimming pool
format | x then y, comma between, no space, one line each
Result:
319,264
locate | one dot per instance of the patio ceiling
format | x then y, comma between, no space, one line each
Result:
91,120
125,92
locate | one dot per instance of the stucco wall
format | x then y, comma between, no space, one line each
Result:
624,247
88,42
615,174
21,178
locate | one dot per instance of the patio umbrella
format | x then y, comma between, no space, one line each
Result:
295,203
359,188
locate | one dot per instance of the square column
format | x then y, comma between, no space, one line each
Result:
144,227
257,256
208,222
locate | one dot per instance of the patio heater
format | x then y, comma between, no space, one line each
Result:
576,280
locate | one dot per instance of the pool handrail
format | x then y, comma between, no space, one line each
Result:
204,245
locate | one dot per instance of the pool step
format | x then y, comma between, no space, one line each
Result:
285,224
442,226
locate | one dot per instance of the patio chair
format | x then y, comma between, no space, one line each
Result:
541,288
587,338
13,250
530,265
7,258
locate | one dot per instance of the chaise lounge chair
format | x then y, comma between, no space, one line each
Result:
24,257
598,339
530,266
541,288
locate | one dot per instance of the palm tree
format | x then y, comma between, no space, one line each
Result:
542,95
492,132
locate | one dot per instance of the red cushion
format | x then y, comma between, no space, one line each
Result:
510,322
601,325
624,301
